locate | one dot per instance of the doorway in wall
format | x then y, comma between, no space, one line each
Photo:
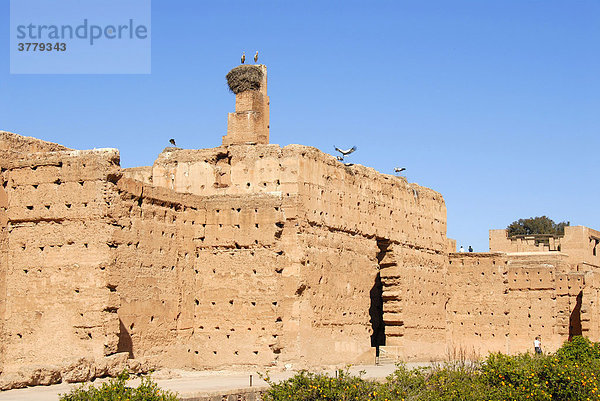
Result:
376,307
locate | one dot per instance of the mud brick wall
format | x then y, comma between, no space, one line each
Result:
406,226
4,159
477,311
204,282
333,303
60,320
499,302
355,203
536,301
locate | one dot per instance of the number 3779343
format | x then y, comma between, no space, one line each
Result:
42,47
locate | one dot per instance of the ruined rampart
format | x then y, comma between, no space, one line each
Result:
253,255
59,314
347,217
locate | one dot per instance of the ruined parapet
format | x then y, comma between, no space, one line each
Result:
250,122
25,144
58,309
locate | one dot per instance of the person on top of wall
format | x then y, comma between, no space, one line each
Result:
461,249
470,248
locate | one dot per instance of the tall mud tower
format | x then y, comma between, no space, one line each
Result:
250,122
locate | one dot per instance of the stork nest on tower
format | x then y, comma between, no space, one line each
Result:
244,77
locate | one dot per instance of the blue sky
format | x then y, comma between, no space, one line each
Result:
495,104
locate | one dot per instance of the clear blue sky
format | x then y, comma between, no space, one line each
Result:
495,104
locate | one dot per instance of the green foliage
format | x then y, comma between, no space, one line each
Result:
307,386
579,349
572,373
116,389
536,225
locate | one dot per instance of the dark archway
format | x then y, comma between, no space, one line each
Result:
575,319
376,313
376,308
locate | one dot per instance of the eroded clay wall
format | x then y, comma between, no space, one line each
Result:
478,313
501,302
582,244
358,205
338,273
410,220
3,248
25,144
500,242
204,282
60,319
233,170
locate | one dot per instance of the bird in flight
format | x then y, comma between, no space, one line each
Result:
340,158
172,142
243,57
399,170
347,151
256,57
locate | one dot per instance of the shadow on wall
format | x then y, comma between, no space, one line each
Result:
125,343
575,319
376,313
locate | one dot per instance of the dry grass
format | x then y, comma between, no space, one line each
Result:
243,78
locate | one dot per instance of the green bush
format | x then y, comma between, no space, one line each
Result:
579,349
571,374
116,389
306,386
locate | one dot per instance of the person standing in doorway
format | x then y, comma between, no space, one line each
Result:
537,345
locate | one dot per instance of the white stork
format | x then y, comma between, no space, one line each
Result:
345,152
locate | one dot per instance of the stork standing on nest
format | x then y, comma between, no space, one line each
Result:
243,57
256,57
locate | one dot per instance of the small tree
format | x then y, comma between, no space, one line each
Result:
536,225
